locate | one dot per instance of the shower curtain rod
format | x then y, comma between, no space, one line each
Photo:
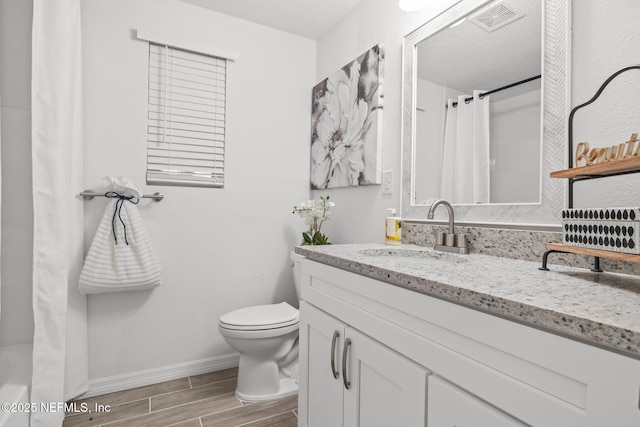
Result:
455,104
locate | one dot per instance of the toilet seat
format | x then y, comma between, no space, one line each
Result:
261,317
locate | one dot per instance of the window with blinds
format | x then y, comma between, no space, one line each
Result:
186,118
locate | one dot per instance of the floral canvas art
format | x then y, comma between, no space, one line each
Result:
346,123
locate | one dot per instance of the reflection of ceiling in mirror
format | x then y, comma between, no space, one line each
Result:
467,57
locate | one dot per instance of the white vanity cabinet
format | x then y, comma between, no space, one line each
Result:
451,407
352,380
414,360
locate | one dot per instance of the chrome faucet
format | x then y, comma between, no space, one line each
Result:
446,205
449,242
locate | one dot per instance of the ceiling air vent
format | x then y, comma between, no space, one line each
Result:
496,16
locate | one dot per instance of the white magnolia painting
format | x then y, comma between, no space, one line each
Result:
346,124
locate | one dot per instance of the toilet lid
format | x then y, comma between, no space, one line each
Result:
261,317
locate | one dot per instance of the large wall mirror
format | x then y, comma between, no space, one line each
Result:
484,111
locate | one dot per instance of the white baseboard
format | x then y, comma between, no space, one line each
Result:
131,380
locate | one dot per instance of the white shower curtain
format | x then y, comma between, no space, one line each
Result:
60,369
465,151
0,187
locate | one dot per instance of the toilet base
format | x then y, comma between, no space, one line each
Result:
269,376
288,387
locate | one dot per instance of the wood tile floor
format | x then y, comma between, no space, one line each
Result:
205,400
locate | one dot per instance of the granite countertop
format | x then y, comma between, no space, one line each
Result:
598,308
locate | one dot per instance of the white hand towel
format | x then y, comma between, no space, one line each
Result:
120,257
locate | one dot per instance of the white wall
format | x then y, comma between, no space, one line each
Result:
515,147
430,121
16,322
220,249
360,211
605,40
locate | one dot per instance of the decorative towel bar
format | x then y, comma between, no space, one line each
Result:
89,195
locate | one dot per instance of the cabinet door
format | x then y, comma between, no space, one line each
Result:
320,393
385,388
449,406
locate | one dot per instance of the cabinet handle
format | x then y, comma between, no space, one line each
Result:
334,371
346,382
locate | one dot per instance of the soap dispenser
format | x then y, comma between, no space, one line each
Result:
393,228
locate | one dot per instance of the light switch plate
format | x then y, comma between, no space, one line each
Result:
387,182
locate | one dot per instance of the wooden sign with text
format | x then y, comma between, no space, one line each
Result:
587,157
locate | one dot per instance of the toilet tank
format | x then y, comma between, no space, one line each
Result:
296,261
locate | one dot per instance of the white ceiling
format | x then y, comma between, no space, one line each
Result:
467,57
307,18
454,57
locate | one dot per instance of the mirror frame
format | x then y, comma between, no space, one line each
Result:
556,105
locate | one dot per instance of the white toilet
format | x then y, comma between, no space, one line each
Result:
266,336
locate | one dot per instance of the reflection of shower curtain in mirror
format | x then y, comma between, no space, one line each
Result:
465,151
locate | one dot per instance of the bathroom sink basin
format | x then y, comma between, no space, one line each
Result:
417,254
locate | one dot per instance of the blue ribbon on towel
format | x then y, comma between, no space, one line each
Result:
121,199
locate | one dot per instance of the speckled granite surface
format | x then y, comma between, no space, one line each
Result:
599,308
510,243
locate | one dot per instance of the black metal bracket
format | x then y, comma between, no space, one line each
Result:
596,263
544,258
596,260
570,130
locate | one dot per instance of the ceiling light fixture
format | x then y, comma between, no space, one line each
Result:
412,5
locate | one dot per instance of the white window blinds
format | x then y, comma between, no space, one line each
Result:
186,118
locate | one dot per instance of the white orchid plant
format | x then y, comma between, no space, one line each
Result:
314,212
